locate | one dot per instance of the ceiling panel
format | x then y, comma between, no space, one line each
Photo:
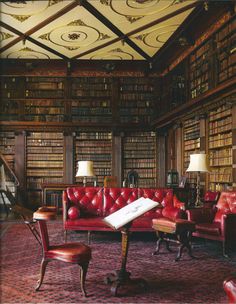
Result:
27,50
89,29
115,51
74,33
153,38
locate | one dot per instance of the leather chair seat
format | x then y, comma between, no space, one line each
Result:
70,252
209,228
91,221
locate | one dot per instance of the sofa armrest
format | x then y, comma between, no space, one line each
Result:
200,215
173,213
228,225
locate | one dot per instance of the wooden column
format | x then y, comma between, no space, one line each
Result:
161,159
179,149
20,166
69,165
117,164
234,144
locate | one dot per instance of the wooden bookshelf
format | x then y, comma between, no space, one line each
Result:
91,99
191,145
135,100
97,147
139,154
44,162
220,148
200,70
226,51
44,87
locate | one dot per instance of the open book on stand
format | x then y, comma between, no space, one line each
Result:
130,212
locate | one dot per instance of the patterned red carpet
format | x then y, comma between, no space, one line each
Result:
187,281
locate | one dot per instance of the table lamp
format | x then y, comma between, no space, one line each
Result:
198,163
85,169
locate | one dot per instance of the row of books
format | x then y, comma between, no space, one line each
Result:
45,157
90,143
44,172
219,113
44,110
95,149
220,186
43,94
95,135
136,111
143,173
92,119
91,111
90,93
220,142
41,85
46,135
36,150
136,87
91,103
91,86
44,164
95,157
140,163
136,96
220,122
44,118
221,129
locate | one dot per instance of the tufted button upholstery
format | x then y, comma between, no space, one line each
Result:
229,286
117,198
88,199
156,195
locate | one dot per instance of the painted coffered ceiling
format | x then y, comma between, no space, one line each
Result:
89,29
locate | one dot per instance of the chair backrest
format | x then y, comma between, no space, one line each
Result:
211,196
44,234
226,204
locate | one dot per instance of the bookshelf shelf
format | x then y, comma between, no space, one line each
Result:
139,154
191,145
220,148
135,100
97,147
44,162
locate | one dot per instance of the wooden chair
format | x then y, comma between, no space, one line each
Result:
76,253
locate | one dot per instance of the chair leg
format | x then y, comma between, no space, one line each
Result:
89,237
83,273
225,254
42,272
65,236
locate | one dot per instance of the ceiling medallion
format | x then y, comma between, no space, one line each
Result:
4,36
73,36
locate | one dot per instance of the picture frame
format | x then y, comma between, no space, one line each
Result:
182,181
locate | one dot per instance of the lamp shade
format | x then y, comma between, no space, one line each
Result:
198,163
85,168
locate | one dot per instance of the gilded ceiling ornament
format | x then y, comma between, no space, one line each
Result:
4,36
20,18
105,2
52,2
118,50
45,36
133,19
141,37
73,36
77,22
70,48
103,36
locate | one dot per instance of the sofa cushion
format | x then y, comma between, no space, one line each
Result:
88,199
86,222
117,198
73,213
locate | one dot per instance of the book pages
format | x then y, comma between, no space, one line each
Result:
130,212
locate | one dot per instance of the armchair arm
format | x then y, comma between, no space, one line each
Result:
200,215
228,225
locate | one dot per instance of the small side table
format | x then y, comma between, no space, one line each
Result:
180,228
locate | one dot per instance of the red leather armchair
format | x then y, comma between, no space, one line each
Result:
229,286
210,198
217,223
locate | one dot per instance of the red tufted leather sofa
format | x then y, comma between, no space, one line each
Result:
95,203
229,286
218,222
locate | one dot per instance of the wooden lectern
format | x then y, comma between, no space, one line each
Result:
122,220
